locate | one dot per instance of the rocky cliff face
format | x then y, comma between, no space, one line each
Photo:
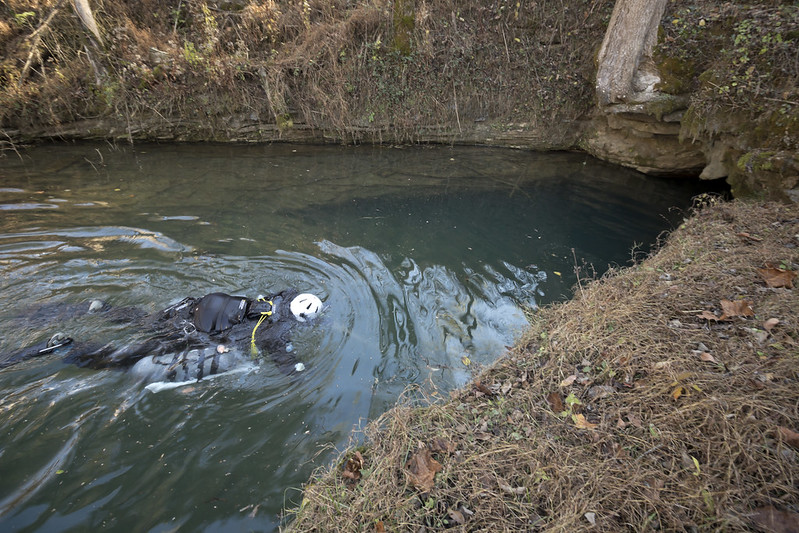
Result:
717,97
644,134
656,133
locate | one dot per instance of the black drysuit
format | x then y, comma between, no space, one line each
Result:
188,340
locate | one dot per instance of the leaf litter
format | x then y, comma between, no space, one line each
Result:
776,277
422,469
693,426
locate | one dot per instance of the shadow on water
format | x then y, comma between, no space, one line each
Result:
427,260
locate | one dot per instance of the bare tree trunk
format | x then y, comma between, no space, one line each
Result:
86,16
631,36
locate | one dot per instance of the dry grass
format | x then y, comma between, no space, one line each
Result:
379,70
623,410
340,67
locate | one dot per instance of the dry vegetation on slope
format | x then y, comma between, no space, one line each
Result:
356,70
514,73
664,396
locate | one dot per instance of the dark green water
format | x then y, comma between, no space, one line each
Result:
424,257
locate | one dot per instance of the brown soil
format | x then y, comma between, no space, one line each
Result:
663,396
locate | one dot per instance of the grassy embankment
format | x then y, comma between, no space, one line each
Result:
664,396
360,71
503,72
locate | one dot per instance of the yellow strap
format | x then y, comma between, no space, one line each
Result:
264,315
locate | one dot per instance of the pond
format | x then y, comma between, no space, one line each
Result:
428,261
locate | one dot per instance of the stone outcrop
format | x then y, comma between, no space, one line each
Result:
649,133
657,133
644,123
644,131
640,135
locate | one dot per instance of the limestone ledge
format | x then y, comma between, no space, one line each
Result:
648,133
247,129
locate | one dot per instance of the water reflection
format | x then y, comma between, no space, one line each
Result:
428,260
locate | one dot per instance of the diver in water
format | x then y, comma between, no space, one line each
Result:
194,338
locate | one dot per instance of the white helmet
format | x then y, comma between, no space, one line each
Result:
305,306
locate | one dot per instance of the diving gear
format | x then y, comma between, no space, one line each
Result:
217,312
204,335
259,307
56,341
305,307
265,312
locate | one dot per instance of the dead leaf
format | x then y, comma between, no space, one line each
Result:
568,381
379,527
736,308
582,423
745,235
706,357
439,445
511,490
790,437
422,469
677,392
506,387
777,278
707,315
776,521
555,402
770,324
483,389
352,468
456,516
482,435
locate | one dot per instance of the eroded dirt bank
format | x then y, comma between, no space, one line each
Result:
662,397
718,99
